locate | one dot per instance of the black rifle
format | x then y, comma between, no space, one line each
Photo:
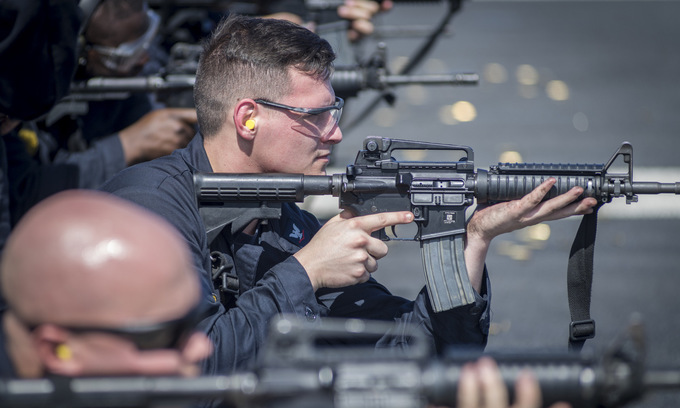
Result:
297,370
438,194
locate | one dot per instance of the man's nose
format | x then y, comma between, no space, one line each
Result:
335,136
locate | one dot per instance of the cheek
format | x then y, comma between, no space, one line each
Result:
109,358
281,150
123,360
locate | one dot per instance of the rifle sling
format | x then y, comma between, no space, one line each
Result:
579,282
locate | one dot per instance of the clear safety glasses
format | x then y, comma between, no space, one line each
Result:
124,56
314,122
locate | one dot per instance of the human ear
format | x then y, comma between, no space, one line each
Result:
55,351
246,118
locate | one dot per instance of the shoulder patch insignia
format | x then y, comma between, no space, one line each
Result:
297,234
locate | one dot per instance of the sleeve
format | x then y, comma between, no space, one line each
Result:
29,182
97,164
237,333
466,326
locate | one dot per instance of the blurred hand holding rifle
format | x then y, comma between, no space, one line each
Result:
299,368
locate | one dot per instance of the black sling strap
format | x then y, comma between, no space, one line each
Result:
580,280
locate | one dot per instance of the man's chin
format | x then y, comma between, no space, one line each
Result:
320,168
316,171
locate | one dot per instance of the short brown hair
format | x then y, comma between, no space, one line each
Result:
251,57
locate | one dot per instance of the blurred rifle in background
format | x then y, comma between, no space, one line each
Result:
186,22
298,368
174,86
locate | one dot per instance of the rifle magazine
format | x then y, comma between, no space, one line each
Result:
446,275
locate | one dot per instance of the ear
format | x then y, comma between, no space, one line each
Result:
246,115
56,351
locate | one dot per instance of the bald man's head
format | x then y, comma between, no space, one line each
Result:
86,258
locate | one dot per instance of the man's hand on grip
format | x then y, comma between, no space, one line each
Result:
343,252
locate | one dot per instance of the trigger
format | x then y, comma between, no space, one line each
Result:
394,231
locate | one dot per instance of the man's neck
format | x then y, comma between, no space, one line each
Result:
227,156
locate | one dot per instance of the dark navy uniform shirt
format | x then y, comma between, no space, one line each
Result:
6,366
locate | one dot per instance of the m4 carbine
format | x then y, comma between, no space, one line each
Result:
437,192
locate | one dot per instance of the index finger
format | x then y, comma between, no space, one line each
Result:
374,222
537,194
527,391
386,5
493,387
358,9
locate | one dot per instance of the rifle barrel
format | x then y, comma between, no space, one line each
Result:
653,187
433,79
660,379
136,84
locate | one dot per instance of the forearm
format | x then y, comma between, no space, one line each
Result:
476,249
98,163
132,147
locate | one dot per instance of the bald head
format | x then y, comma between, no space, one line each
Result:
88,258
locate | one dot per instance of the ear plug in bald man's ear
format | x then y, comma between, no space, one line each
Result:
63,352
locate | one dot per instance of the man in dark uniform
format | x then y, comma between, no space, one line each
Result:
116,42
265,105
97,286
